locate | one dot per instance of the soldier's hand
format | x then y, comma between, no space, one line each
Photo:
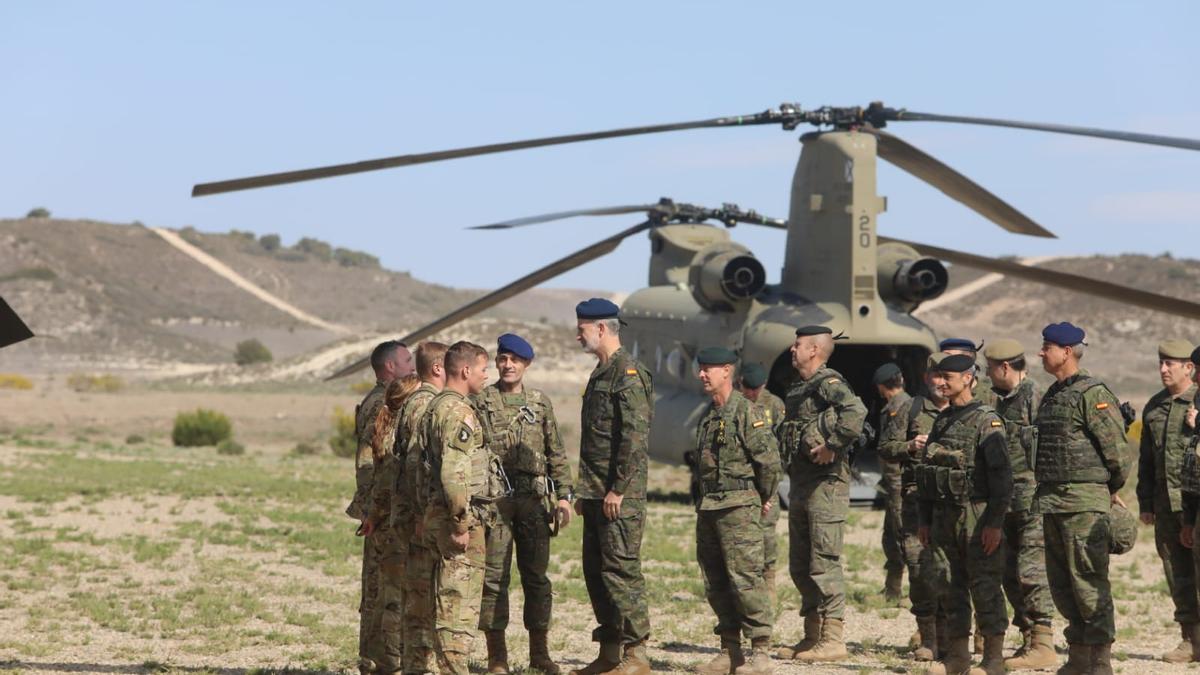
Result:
579,507
1116,499
612,505
563,513
1147,518
766,508
1191,416
990,538
923,535
822,454
1186,537
918,442
460,541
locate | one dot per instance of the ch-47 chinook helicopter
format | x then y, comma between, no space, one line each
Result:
705,289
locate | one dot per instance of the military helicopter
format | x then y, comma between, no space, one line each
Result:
706,289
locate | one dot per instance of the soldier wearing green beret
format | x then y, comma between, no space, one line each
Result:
982,390
737,470
824,417
889,385
1016,401
1165,437
754,388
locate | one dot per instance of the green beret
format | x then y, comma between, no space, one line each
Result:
1123,527
955,363
753,375
716,356
1175,349
1003,350
884,373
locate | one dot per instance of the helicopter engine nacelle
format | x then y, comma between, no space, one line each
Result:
907,279
725,275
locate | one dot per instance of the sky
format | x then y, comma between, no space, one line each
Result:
113,110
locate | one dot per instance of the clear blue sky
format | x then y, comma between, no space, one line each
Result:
113,110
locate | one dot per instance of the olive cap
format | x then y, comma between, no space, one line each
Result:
1175,349
753,375
934,359
716,356
1004,349
887,371
1124,529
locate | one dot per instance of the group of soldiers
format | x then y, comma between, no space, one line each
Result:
994,489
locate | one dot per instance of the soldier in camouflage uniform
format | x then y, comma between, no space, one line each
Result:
902,439
458,506
982,390
1017,398
754,388
409,498
965,487
1189,489
615,425
1078,466
737,468
1165,437
889,384
824,417
390,360
520,428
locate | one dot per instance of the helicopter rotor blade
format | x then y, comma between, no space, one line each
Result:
1065,280
953,184
562,215
564,264
1129,136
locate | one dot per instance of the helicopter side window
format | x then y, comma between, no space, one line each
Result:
675,363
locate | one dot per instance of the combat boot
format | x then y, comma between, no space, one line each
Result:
1195,641
1079,660
609,658
497,652
812,633
1183,652
927,650
957,660
893,586
727,660
759,662
978,649
539,653
1038,651
943,645
993,656
830,647
633,661
1101,659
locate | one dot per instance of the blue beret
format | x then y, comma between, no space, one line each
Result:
754,375
955,363
885,373
1063,334
597,308
716,356
959,343
514,344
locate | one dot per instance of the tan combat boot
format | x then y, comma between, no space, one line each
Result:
609,658
957,660
1183,652
893,586
759,662
830,647
497,652
812,633
539,653
1038,651
727,660
993,656
978,649
1079,660
927,650
1101,659
633,661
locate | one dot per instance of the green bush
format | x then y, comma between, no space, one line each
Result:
251,351
38,212
135,439
343,442
230,447
347,258
269,242
102,384
304,449
200,427
315,247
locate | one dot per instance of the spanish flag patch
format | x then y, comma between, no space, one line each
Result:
631,371
1101,406
758,424
832,380
997,423
892,414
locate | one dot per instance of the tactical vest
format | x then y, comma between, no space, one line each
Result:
721,440
1020,433
807,424
1063,450
485,482
1189,470
515,434
948,470
413,480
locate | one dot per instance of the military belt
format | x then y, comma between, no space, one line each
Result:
727,484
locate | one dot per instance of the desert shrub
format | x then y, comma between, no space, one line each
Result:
269,242
251,351
230,447
315,247
135,439
13,381
304,449
288,255
38,212
343,442
200,427
242,235
105,383
347,258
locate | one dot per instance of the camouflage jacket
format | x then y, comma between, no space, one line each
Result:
452,438
774,405
364,461
737,455
901,426
522,431
820,409
615,429
890,468
402,505
1165,437
1018,408
966,460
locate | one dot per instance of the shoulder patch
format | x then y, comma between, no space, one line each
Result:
463,435
997,423
892,414
1101,406
631,371
832,380
758,424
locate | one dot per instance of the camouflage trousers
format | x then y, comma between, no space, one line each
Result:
458,590
771,552
370,642
1025,570
893,519
1077,569
967,576
729,548
522,523
1177,563
419,570
919,561
817,513
387,627
612,570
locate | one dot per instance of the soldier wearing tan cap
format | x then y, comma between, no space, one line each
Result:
1016,401
1165,436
